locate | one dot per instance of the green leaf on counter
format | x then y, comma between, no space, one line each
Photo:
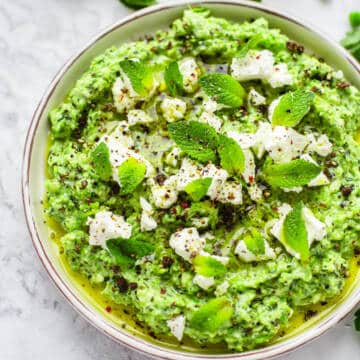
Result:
138,4
294,234
294,173
198,188
213,315
208,266
223,89
174,79
100,158
232,158
131,173
292,107
198,140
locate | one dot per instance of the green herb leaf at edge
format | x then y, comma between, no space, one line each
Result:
223,88
292,107
213,315
139,75
198,188
354,18
100,158
137,4
198,140
294,173
232,158
174,79
131,173
208,266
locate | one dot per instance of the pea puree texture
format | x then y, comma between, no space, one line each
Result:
264,295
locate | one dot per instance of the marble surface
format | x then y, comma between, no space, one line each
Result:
36,37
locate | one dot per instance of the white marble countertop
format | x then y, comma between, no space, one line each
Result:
36,37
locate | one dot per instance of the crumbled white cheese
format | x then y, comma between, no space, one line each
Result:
222,288
260,65
173,156
218,177
280,76
190,72
189,171
246,255
211,106
255,98
255,65
118,143
296,189
263,132
210,119
105,226
284,144
200,223
255,192
187,243
322,145
165,195
249,171
139,117
315,229
173,109
203,281
147,222
230,192
245,140
177,326
125,96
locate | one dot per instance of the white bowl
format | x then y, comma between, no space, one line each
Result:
33,173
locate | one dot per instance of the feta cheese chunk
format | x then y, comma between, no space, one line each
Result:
322,145
260,65
315,229
249,171
190,72
222,288
211,119
189,171
200,223
164,195
203,281
125,97
245,140
284,144
118,143
230,192
105,226
280,76
187,243
147,222
177,326
173,109
218,177
255,65
255,98
139,117
246,255
173,156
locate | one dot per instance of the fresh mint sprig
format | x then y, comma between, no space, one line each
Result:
100,159
131,173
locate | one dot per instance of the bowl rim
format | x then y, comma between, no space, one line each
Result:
81,307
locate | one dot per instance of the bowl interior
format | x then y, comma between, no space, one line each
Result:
136,26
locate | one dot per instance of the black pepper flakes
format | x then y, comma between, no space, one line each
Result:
167,261
122,284
294,47
346,190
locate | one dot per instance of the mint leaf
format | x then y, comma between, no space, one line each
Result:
354,18
213,315
174,79
292,107
251,44
208,266
131,173
294,233
140,75
137,4
232,158
125,251
100,158
223,89
198,188
255,242
294,173
198,140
